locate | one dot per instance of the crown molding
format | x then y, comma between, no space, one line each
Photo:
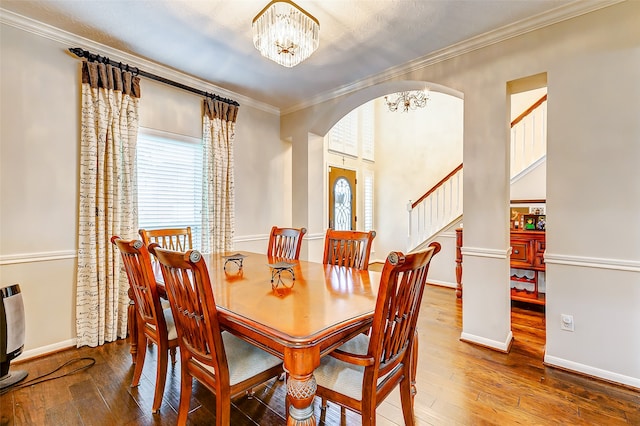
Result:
562,13
72,40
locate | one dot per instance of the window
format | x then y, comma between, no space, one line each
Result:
343,136
355,131
368,200
169,182
367,131
354,137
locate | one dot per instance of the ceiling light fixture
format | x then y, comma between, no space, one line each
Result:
408,100
285,33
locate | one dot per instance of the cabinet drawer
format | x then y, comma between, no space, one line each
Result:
519,252
539,247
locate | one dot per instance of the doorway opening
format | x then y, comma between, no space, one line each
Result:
528,210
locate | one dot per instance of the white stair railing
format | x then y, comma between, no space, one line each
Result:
529,137
436,209
442,204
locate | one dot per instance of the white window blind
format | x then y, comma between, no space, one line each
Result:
169,182
343,136
368,200
367,131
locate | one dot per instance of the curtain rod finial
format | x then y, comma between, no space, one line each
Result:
77,51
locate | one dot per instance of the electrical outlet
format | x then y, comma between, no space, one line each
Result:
566,322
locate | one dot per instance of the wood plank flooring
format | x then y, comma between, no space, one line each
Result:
458,384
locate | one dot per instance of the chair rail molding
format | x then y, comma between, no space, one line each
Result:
592,262
485,252
11,259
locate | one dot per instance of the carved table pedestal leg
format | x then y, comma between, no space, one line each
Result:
301,385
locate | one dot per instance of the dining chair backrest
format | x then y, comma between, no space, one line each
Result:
387,356
153,322
190,294
402,283
225,364
137,264
177,239
285,242
348,248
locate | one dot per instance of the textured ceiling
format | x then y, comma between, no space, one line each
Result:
212,40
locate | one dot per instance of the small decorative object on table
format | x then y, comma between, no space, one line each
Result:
235,258
276,273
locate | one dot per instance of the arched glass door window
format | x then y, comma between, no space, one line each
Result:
342,204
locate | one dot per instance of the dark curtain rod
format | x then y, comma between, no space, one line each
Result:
81,53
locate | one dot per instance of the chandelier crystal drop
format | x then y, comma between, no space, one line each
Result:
285,33
408,100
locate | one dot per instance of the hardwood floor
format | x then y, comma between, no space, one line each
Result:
458,384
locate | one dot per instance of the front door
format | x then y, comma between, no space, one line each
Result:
342,199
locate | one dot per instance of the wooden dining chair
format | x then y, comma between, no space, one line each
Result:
152,323
178,239
363,371
222,362
285,242
348,248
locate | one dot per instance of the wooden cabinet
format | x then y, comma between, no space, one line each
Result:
527,262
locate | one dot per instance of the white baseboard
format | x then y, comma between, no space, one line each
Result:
441,283
483,341
44,350
592,371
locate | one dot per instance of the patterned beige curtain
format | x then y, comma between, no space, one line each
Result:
108,200
218,218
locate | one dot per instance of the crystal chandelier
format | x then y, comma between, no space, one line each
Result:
408,100
285,33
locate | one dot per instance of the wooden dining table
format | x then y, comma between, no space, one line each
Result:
299,312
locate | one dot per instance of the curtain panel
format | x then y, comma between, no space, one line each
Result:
218,218
108,200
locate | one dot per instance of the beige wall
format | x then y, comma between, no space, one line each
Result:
39,131
593,271
414,151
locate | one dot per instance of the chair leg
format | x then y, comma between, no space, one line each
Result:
408,384
406,398
133,329
223,409
185,395
161,378
368,415
140,356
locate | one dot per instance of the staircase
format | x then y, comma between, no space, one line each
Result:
441,206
